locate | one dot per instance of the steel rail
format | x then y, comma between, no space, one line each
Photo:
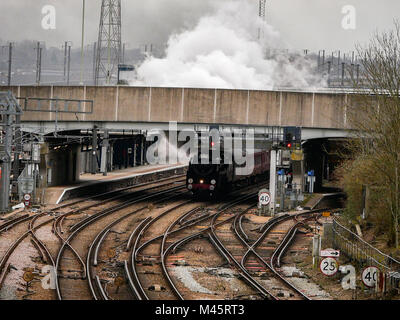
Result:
12,223
254,283
97,242
168,232
284,245
41,247
142,294
88,221
64,205
276,255
58,221
40,243
201,233
135,232
164,254
131,282
16,243
126,204
173,247
135,251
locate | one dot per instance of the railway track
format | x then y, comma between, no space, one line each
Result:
147,231
180,224
19,230
279,251
81,232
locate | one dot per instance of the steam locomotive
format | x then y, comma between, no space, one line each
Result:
214,179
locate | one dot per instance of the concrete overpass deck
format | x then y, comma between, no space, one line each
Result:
140,108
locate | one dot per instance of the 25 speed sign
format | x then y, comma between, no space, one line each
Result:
370,276
329,266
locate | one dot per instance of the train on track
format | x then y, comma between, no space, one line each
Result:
204,177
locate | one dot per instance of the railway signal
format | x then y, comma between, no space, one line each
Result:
292,138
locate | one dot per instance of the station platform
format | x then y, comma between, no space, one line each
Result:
318,198
113,180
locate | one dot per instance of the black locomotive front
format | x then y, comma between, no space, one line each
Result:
203,178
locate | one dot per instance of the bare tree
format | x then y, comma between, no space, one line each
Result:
374,114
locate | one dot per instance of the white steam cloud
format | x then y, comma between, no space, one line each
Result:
222,51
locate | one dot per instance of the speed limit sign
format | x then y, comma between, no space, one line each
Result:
27,200
370,276
264,198
329,266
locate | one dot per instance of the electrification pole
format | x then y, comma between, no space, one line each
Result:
83,40
262,15
38,63
9,110
109,48
69,64
65,59
9,63
94,62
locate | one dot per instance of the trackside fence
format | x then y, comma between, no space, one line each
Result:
357,249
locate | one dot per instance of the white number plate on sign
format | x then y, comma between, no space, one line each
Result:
264,199
329,266
370,276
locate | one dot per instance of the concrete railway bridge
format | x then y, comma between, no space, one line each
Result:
117,120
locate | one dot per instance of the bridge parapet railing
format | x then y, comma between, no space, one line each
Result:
358,249
56,105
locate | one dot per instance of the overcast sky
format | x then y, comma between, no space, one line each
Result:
304,24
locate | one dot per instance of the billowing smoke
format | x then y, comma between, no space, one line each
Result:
223,51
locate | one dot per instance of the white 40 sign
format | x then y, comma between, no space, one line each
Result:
264,198
370,276
329,266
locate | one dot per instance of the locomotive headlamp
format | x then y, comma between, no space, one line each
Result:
213,181
201,181
190,180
